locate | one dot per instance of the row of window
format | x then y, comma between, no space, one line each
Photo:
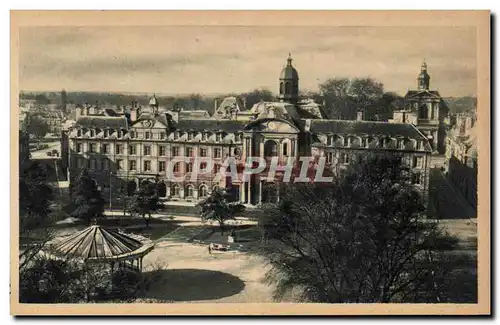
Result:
203,136
146,150
346,158
96,164
365,142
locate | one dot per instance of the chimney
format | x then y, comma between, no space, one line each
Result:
133,114
307,128
359,116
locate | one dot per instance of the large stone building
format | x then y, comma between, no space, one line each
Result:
461,155
426,109
123,148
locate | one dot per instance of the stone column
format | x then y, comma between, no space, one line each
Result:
242,192
249,191
195,193
260,191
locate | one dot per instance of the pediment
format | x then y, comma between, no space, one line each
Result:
273,126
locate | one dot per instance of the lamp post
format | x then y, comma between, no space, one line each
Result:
110,197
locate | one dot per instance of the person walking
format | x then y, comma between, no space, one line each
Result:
210,248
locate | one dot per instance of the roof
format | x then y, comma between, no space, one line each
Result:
102,122
97,243
365,127
422,93
289,72
211,125
197,114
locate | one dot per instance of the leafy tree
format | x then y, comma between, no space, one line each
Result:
361,239
146,201
87,198
35,125
218,206
257,95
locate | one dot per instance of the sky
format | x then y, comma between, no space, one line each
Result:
228,59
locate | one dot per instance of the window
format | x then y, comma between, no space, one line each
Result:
329,157
203,165
80,163
93,164
417,162
175,151
161,166
79,133
147,135
147,165
177,167
162,150
132,149
176,190
91,147
119,164
119,133
204,136
203,191
78,147
217,153
132,165
176,135
219,137
105,133
270,149
190,136
216,168
189,167
147,150
92,133
415,178
419,145
189,152
344,158
346,141
162,135
203,152
189,191
105,164
132,134
104,148
118,149
285,149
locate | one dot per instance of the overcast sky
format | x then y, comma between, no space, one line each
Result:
172,60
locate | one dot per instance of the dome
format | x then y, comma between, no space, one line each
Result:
289,71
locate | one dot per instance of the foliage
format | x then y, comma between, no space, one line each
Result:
361,239
257,95
35,195
87,198
35,125
218,206
146,201
344,97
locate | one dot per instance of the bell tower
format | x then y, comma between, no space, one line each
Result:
423,78
289,83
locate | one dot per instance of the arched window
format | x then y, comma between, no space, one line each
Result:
189,167
288,88
162,189
131,187
282,88
270,149
175,190
189,191
203,191
285,149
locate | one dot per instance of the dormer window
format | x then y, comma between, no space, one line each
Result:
147,135
204,136
346,141
92,133
119,133
419,145
176,135
190,136
106,133
79,133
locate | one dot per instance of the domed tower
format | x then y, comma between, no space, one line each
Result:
423,78
289,83
153,104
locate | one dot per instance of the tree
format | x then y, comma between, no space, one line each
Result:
257,95
360,239
87,198
35,125
146,201
218,206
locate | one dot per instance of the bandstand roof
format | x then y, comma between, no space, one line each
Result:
100,244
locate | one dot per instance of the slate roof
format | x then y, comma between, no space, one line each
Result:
211,125
364,127
102,122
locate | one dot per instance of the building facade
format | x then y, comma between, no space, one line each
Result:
461,155
121,149
426,109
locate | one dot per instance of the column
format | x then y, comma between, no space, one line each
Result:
242,192
250,191
260,191
181,191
